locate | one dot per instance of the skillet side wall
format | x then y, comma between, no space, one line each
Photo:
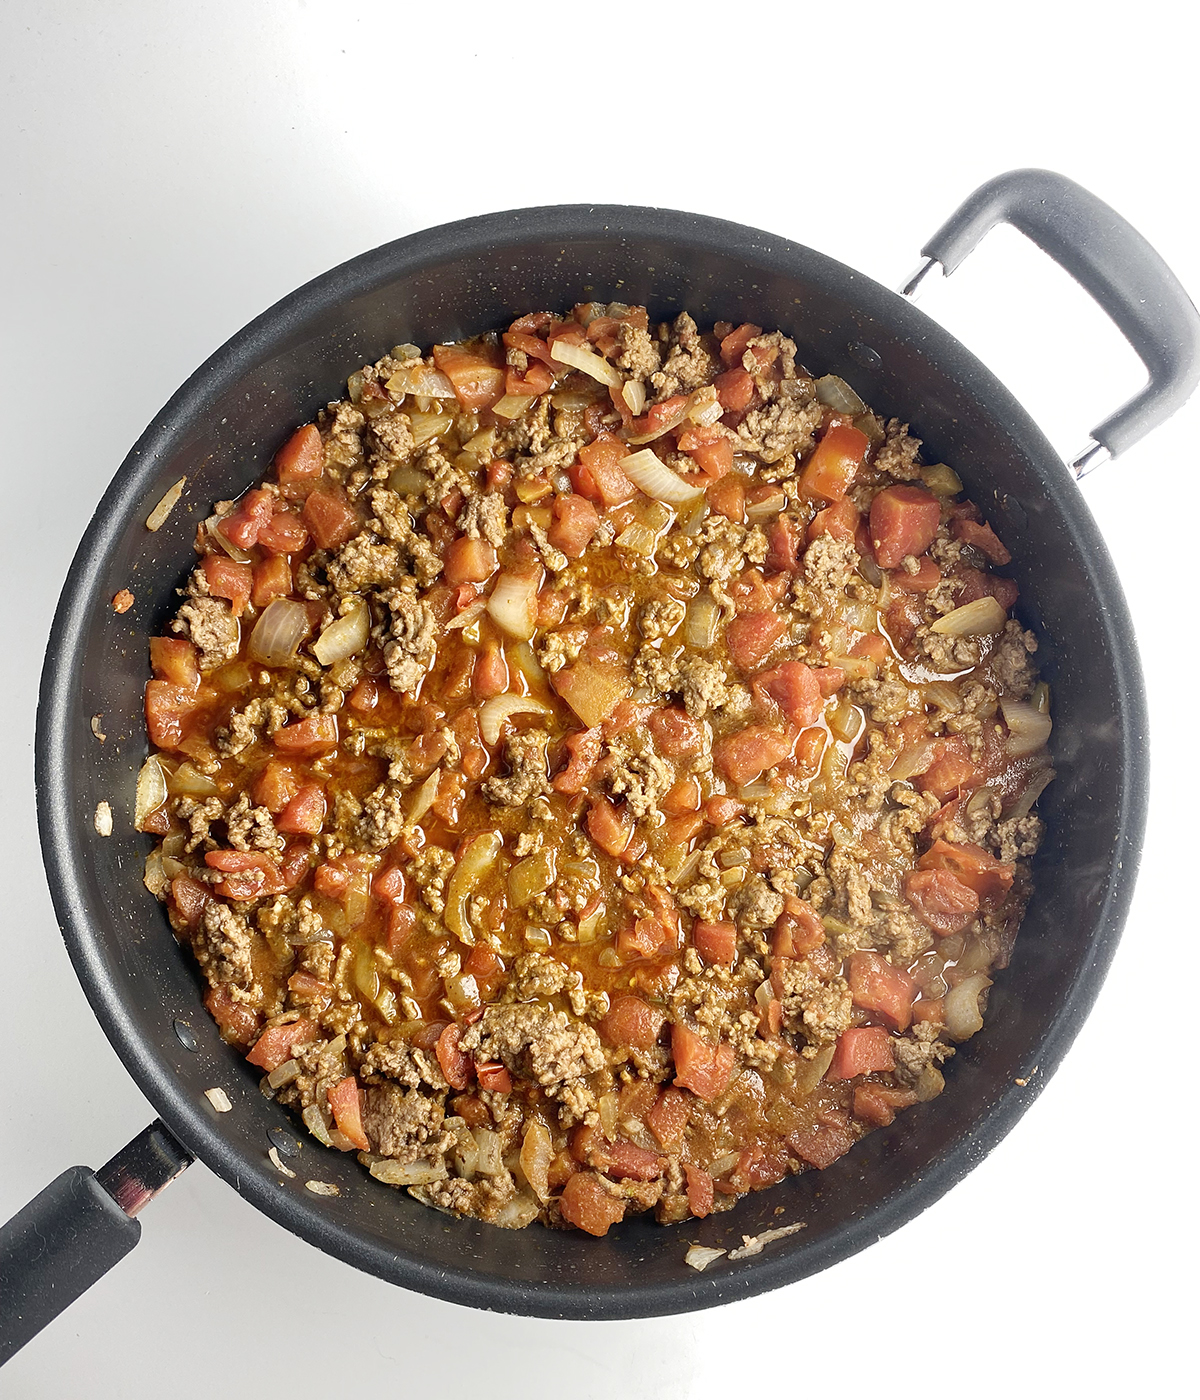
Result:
221,430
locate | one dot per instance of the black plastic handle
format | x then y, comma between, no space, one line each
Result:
1110,260
75,1230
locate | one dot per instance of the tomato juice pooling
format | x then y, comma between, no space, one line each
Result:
594,769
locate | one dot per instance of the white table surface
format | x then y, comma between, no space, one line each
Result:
171,170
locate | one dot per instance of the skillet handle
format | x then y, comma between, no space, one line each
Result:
74,1231
1114,264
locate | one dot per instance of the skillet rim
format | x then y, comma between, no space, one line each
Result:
62,850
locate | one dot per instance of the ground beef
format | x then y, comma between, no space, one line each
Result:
533,1040
411,639
406,1126
211,626
525,755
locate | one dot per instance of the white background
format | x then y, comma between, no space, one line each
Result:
168,171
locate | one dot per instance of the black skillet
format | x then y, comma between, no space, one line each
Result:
220,431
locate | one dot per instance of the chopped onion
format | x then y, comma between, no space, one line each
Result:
426,426
1038,783
941,694
651,474
704,407
155,875
537,1151
963,1017
407,480
512,405
766,508
219,1100
158,516
532,876
488,1142
982,618
634,394
426,796
278,1163
473,863
284,1074
475,608
692,515
575,399
422,379
278,632
639,538
243,556
753,1244
522,1210
593,689
345,636
835,393
700,1256
323,1188
462,992
513,603
151,791
493,713
314,1121
809,1073
521,657
1028,729
592,364
941,480
186,781
103,819
912,762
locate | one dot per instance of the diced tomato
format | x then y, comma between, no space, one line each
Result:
588,1205
306,738
676,733
574,520
634,1163
798,931
841,520
751,636
830,679
830,470
536,380
720,810
742,756
241,527
733,347
284,533
795,688
714,459
293,865
683,797
226,578
928,576
345,1101
704,1069
166,706
646,938
494,1077
280,1043
602,461
401,920
275,786
173,659
532,345
238,1024
302,457
478,379
877,1103
735,389
951,771
469,561
810,749
661,416
189,898
752,593
871,647
983,538
584,749
331,520
248,874
305,813
679,829
626,715
823,1143
632,1021
978,584
668,1119
389,885
862,1050
456,1064
608,827
699,1191
272,578
941,900
716,943
783,546
881,986
990,878
727,497
931,1009
903,521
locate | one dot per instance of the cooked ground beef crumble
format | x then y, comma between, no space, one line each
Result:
595,771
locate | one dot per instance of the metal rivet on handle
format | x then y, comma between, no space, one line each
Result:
185,1035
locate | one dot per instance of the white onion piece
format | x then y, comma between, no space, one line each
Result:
158,516
522,657
835,393
406,1173
493,713
408,480
151,791
1038,783
700,1256
638,537
982,618
513,603
421,379
278,632
345,636
474,609
963,1017
634,394
512,405
704,407
475,860
649,473
243,556
592,364
1028,729
767,507
490,1161
187,781
426,796
537,1150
